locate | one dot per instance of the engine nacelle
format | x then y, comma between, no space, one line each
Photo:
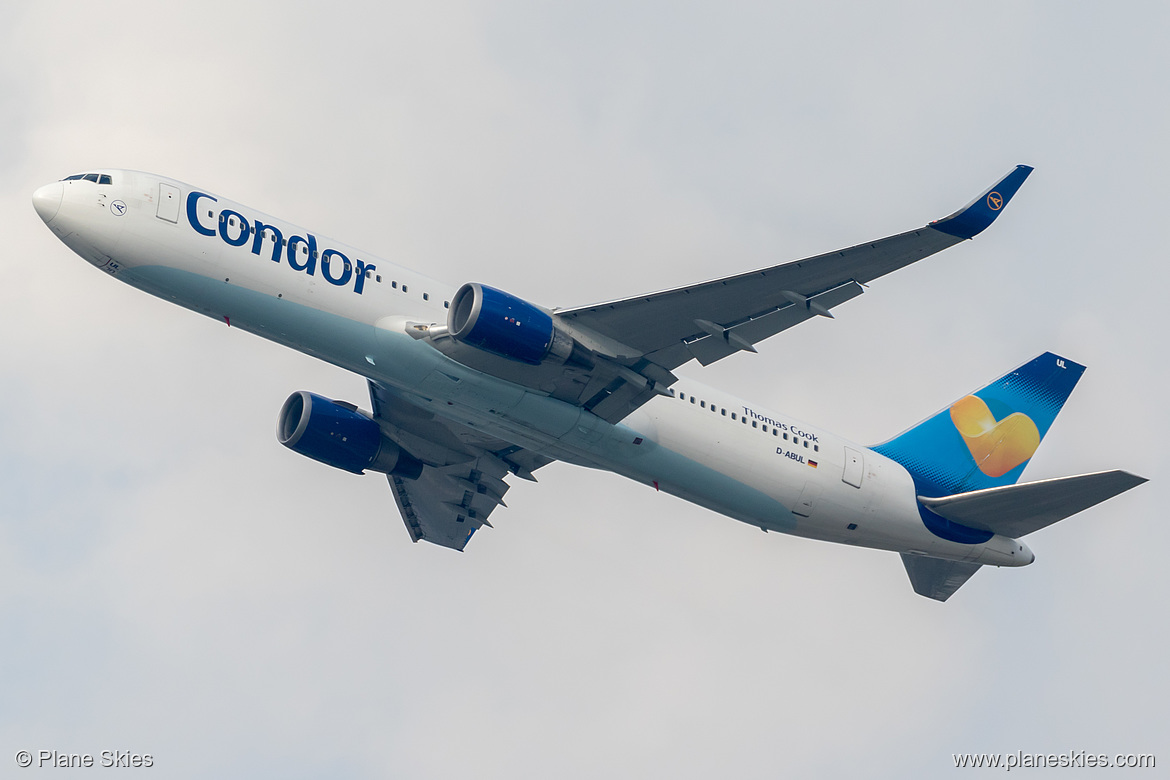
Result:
492,320
339,435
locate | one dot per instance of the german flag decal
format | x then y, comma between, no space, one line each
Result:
812,463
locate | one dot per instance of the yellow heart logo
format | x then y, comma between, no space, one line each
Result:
997,447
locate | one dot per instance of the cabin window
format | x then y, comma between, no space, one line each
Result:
446,304
404,288
394,284
733,415
702,404
806,444
816,448
754,424
682,396
764,428
723,412
776,432
426,296
379,277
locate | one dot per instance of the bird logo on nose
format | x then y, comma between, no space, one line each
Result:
118,208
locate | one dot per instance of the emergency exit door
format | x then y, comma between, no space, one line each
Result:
168,202
854,467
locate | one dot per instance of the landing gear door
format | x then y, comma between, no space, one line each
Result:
854,467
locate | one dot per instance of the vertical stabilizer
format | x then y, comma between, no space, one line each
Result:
985,439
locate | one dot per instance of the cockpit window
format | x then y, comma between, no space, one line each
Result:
96,178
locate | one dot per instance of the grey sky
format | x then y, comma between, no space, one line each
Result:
172,581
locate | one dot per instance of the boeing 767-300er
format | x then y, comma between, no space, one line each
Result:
471,384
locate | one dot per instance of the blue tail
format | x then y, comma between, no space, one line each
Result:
985,439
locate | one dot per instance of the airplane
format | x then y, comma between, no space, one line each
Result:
471,385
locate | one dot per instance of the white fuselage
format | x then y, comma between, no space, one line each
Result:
758,466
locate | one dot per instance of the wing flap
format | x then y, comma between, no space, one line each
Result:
710,347
1018,510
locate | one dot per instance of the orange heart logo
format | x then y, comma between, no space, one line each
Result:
997,447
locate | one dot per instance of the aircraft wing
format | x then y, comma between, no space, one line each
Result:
462,480
712,320
444,505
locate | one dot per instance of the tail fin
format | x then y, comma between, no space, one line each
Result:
985,439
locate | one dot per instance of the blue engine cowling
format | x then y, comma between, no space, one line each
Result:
505,325
340,436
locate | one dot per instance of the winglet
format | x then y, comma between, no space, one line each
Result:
976,216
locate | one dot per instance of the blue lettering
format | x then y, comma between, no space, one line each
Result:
326,265
310,254
193,212
258,242
300,251
359,283
226,218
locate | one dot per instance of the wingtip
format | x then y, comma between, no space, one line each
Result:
977,216
1136,479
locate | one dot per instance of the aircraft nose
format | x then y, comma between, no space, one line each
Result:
47,200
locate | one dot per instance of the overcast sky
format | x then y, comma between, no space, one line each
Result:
174,582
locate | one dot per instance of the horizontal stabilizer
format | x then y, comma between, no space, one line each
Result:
935,578
1018,510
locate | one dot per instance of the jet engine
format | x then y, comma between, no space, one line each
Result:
500,323
336,433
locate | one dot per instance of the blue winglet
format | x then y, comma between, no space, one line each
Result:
973,219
